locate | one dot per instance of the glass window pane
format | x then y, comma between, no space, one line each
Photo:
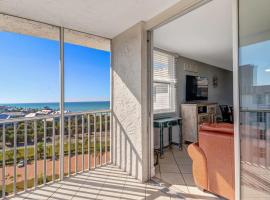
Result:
164,82
254,79
29,66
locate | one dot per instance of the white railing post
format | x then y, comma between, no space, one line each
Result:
69,146
35,154
44,152
106,144
76,144
4,162
95,132
100,139
25,155
53,150
15,159
111,136
89,141
82,143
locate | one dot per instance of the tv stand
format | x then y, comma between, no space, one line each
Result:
193,114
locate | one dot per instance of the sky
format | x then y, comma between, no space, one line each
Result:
257,54
29,71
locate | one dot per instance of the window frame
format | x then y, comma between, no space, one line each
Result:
171,82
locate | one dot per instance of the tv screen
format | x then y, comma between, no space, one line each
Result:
196,88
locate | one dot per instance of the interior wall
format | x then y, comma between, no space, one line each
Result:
222,94
129,101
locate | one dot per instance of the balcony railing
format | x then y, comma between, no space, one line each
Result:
30,148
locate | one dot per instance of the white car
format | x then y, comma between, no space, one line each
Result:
20,163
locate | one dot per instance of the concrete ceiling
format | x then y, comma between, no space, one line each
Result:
254,28
204,34
105,18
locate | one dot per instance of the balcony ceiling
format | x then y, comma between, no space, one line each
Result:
204,34
105,18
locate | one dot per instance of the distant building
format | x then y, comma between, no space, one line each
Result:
3,109
31,115
58,112
4,116
44,112
14,114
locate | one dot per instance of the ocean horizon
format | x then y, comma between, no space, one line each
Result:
69,106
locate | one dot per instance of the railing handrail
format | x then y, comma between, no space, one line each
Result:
86,112
23,119
255,110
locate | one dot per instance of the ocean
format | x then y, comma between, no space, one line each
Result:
70,106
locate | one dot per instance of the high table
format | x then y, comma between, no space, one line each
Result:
168,123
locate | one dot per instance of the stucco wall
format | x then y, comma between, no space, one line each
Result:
129,101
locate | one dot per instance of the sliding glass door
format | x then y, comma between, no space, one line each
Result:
254,88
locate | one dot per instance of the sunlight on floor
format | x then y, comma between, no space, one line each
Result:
173,181
102,183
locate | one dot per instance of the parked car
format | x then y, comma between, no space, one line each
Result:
20,163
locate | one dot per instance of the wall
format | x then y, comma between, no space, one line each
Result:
129,101
222,94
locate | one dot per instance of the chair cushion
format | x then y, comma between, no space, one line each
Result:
218,148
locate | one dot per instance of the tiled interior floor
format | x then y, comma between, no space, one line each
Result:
175,171
173,181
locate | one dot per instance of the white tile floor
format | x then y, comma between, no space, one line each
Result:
173,181
103,183
175,172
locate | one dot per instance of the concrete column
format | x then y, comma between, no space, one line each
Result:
129,101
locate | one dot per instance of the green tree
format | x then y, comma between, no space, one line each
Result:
39,150
9,155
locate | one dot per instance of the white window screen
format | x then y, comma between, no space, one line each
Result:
164,86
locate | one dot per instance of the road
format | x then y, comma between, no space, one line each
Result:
49,164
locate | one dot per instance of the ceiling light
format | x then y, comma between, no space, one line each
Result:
267,70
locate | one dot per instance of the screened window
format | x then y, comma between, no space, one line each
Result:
164,82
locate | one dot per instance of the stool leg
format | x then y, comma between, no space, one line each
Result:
161,140
180,137
170,135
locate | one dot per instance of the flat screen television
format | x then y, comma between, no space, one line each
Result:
196,88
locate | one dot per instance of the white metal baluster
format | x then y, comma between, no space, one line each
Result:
35,154
95,131
110,136
25,155
4,162
53,149
76,144
60,151
100,139
82,143
15,159
44,152
69,146
89,142
106,121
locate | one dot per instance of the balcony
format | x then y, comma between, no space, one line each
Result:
104,154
